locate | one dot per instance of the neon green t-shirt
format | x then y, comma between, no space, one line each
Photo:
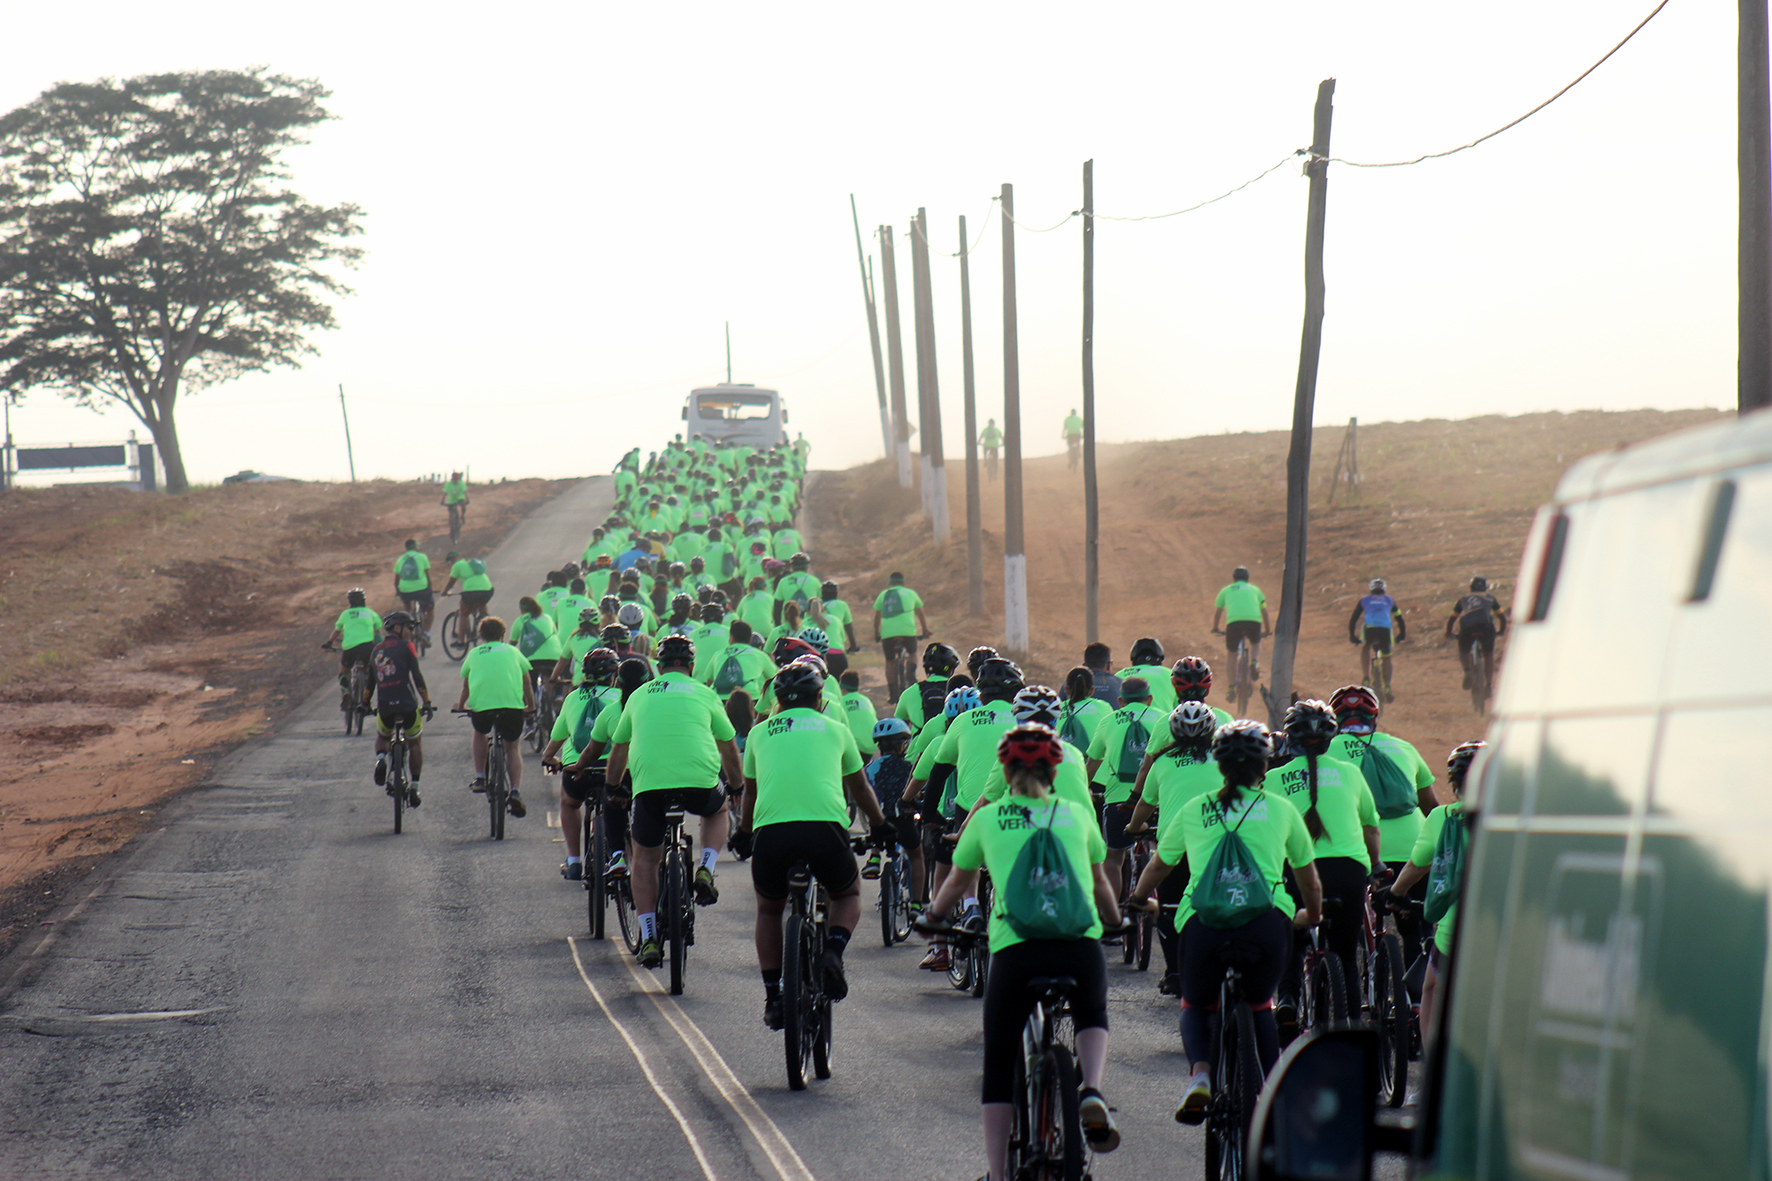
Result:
1069,782
1396,834
547,596
575,646
1242,602
799,758
671,725
567,609
1078,720
721,560
455,491
1073,426
797,586
471,573
786,542
758,609
927,742
1119,760
1344,804
897,606
1423,855
710,639
359,625
734,667
578,718
970,744
994,839
1271,828
990,437
495,673
1174,780
1157,677
862,717
837,616
537,634
410,569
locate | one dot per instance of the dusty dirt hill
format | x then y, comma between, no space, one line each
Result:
1439,501
146,635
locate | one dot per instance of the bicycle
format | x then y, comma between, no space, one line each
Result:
969,965
547,708
421,639
458,515
805,1005
895,896
1383,996
1323,1001
1074,446
498,787
1482,673
1242,686
453,645
1378,679
676,900
1140,930
350,701
901,673
1236,1071
600,887
399,785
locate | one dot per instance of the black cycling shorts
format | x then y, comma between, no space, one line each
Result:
1485,638
578,785
417,598
1379,639
906,826
1264,946
1243,629
897,646
1114,818
476,600
508,721
650,808
822,845
406,716
1007,1001
357,654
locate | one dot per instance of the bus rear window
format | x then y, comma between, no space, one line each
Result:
733,407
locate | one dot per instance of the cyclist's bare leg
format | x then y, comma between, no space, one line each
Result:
1254,660
768,932
514,765
845,909
714,829
644,879
1366,663
415,756
571,822
479,748
1112,865
916,856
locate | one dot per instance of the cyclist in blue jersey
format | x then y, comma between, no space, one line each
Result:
1371,627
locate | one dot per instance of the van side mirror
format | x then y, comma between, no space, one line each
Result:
1317,1117
784,418
685,414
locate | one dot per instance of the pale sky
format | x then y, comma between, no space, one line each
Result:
566,202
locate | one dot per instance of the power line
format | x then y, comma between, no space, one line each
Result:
1229,192
1547,102
1033,229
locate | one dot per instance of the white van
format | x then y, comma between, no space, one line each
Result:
736,413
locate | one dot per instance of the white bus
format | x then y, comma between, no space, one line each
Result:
737,413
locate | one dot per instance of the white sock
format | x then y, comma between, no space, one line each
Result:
572,859
969,904
649,924
708,857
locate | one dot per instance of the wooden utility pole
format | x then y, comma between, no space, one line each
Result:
350,455
974,511
1015,560
1091,499
867,298
901,444
1347,462
935,471
1753,171
729,352
1304,401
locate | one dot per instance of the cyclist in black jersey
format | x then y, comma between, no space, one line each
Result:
1476,616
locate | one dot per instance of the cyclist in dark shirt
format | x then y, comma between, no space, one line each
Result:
1477,616
1107,686
399,688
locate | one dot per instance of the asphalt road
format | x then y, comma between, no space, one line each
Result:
274,985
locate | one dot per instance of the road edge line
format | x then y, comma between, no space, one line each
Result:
701,1158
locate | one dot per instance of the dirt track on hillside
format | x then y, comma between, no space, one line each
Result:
1439,501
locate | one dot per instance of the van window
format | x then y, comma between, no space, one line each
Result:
1550,568
1594,766
1722,645
733,407
1716,528
1507,769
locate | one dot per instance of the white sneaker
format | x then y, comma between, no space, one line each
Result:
1195,1100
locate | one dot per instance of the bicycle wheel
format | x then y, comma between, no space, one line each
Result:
454,524
960,963
1239,1075
821,1037
1147,935
596,859
1053,1140
796,1001
397,780
1128,941
454,646
889,902
1390,1014
625,918
981,947
675,900
544,717
1480,674
495,792
1327,990
901,930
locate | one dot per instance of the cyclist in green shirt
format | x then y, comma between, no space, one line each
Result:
455,499
1115,754
898,624
1241,609
990,439
1082,711
355,633
412,582
569,738
1147,662
798,768
738,665
676,738
1029,756
796,586
476,590
497,690
757,608
838,618
1073,437
860,711
922,700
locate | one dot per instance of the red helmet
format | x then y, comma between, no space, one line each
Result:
1029,746
1354,705
1192,678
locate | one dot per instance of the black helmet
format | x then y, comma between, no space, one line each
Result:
1240,574
827,589
939,659
1479,584
1310,725
799,561
1147,651
394,619
355,597
975,659
712,612
676,570
681,600
1243,739
609,603
799,685
999,679
633,673
1458,763
676,652
600,664
617,636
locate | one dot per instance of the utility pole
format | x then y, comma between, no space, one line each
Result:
974,511
895,359
1015,559
1753,171
867,297
729,352
349,454
935,472
1298,460
1091,498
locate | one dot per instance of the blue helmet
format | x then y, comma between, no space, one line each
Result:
891,728
960,700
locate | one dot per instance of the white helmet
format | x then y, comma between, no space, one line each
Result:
1192,722
1035,703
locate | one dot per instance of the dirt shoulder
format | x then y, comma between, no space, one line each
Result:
1439,501
149,635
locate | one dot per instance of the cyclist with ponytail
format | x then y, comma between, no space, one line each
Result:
1339,814
1082,710
1272,836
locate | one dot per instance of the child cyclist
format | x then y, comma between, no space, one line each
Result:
1030,754
887,774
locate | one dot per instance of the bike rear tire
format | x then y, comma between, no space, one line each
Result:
676,899
454,646
1147,934
1053,1129
1233,1107
797,1007
889,902
397,778
1327,990
625,916
1390,1014
596,860
981,947
495,794
1480,677
821,1038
